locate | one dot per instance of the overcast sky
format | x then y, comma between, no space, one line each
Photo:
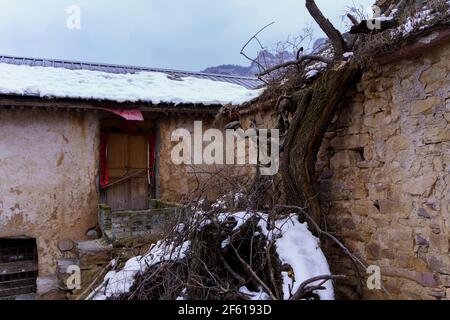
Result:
176,34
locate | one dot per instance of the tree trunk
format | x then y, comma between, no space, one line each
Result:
315,110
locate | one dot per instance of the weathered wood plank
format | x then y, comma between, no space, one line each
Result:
18,267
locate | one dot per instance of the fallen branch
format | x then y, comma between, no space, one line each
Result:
254,275
304,290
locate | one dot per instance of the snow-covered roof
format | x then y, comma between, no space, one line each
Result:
55,79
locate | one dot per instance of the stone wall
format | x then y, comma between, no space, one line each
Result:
385,177
123,228
48,165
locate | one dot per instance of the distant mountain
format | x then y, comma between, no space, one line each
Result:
265,58
319,42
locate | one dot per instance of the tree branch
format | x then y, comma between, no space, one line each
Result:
303,290
352,18
255,36
296,62
254,275
332,33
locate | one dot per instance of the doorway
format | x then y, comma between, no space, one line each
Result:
128,164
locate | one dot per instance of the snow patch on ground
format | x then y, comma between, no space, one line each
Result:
260,295
116,283
151,87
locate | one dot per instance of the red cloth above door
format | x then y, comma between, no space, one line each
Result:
128,114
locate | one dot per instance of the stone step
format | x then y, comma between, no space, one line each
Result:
93,253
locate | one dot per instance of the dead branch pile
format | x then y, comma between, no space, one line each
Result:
227,259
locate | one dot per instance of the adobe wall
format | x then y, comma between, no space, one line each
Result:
48,168
180,183
385,177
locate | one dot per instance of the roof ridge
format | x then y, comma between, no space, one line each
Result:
125,66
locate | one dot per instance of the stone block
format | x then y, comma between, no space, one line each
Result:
424,106
436,135
343,159
350,142
93,253
65,245
433,74
420,185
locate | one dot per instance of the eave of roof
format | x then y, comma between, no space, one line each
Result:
21,102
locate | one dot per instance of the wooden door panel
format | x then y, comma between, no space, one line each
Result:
117,154
128,154
139,193
138,152
118,198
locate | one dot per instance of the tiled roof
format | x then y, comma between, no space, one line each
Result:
247,82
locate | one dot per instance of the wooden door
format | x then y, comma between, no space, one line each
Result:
127,155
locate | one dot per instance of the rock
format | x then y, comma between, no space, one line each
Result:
420,185
344,159
424,106
423,213
46,284
437,263
438,293
356,141
93,253
92,234
373,251
432,75
447,116
65,245
436,135
375,105
436,229
398,143
421,241
428,279
369,164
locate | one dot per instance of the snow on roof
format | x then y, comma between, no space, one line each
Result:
248,82
143,86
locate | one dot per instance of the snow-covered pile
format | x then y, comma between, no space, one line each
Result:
419,21
295,245
151,87
118,282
